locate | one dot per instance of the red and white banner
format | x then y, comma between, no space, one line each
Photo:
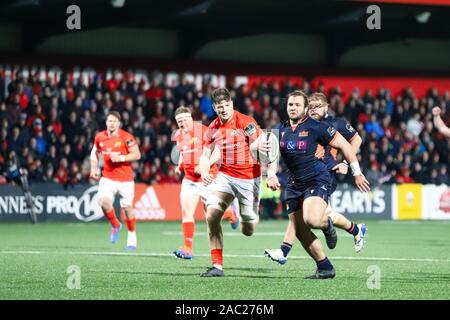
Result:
160,202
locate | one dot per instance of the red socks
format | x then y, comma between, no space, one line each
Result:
131,224
188,232
111,216
216,257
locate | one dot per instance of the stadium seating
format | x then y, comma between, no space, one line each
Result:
49,128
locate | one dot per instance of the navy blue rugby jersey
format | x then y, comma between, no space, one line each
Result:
345,129
303,148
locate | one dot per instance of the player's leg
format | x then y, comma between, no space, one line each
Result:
216,205
358,231
232,214
314,212
248,192
126,192
189,197
105,198
280,255
312,246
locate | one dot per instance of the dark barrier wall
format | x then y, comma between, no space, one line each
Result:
52,202
56,203
376,204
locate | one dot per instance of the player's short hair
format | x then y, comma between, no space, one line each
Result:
114,114
299,93
181,110
220,94
318,96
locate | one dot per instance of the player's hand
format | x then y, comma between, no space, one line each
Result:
362,183
178,171
273,183
341,168
95,174
264,145
207,178
197,169
436,111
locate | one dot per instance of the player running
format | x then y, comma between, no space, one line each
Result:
190,143
236,136
318,110
118,149
302,146
439,123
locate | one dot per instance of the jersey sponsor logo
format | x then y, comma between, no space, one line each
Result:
331,131
117,144
250,129
302,145
303,133
349,127
290,145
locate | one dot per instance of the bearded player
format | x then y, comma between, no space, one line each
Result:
318,110
118,149
302,146
190,143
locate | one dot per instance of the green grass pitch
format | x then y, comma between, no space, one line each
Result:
413,258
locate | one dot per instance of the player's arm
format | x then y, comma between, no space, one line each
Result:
134,154
179,167
256,141
355,143
205,165
342,145
95,154
272,179
439,123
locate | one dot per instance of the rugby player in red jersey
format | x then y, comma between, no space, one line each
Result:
118,148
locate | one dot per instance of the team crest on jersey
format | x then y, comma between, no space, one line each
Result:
193,140
101,144
349,127
331,131
117,144
303,133
234,133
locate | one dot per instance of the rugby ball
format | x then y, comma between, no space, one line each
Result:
272,155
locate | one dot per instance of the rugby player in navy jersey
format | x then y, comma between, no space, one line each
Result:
302,145
318,110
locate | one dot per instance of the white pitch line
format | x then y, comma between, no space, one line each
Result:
150,254
256,234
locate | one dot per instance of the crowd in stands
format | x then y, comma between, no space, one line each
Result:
48,127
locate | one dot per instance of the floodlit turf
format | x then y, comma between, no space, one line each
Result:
413,257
